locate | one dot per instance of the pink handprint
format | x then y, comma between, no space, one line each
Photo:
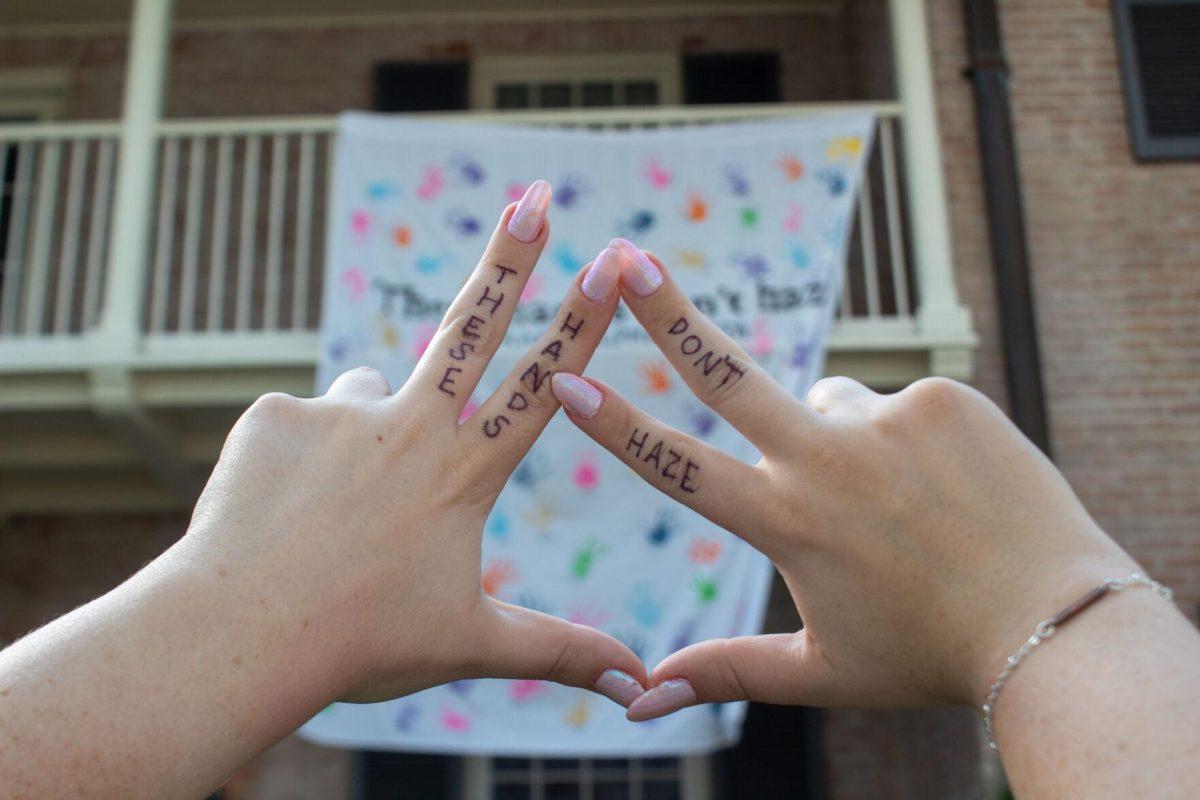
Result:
523,690
360,225
432,183
424,335
587,472
763,341
515,192
656,174
533,288
455,720
355,281
794,218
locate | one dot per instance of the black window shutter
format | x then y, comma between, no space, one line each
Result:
731,78
393,776
421,86
413,86
1159,46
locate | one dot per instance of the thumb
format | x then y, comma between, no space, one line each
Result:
778,668
521,643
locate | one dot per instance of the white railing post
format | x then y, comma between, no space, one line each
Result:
940,315
145,78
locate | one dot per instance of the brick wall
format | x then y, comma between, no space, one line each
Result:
1115,254
1116,272
326,70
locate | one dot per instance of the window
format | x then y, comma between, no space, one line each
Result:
1160,61
731,78
421,86
574,81
586,779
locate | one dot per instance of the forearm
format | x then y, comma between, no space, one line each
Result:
1109,706
159,689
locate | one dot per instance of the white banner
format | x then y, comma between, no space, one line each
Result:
752,219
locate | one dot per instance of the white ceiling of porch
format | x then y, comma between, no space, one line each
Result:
39,13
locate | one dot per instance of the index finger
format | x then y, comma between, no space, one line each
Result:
516,413
712,364
475,324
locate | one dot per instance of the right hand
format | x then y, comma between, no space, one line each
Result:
920,534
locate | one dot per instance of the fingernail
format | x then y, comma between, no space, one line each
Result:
579,396
642,276
619,686
526,222
663,699
602,276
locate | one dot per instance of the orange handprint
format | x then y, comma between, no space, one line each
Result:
498,572
658,377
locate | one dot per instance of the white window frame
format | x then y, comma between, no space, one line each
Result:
694,774
489,71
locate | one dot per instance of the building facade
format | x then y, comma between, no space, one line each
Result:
1112,240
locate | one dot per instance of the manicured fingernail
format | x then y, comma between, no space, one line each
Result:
620,687
526,222
663,699
602,276
579,396
641,275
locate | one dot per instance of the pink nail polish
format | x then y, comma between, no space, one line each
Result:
530,214
602,276
619,686
641,275
579,396
663,699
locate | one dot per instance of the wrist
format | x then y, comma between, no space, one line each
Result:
1032,597
277,646
1129,643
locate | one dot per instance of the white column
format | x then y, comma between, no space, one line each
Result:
940,313
145,78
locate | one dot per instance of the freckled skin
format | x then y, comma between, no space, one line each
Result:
922,538
333,556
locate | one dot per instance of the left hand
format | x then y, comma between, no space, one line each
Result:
333,555
362,511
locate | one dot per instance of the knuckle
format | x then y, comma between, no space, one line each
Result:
369,373
273,405
723,381
732,685
562,666
271,410
368,376
537,394
888,418
828,391
466,338
934,398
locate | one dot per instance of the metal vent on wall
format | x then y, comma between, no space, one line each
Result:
1159,46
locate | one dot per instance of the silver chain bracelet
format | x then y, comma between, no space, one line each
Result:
1046,628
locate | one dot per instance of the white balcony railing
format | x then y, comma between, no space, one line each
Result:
55,226
236,246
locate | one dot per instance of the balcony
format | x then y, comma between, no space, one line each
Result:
158,275
229,303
